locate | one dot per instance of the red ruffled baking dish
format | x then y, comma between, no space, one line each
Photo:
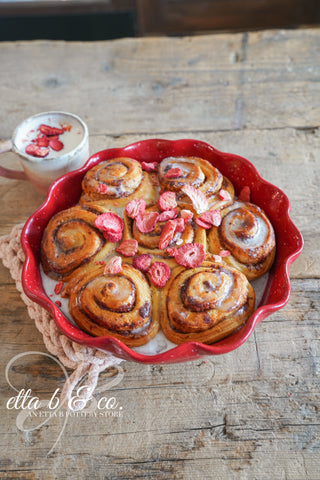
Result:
66,191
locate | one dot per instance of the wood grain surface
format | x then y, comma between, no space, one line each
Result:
250,414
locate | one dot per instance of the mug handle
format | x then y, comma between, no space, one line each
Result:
6,146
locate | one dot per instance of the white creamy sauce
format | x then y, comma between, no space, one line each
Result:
159,343
70,139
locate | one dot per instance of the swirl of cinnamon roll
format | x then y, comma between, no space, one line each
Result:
205,304
248,235
117,304
71,241
196,172
118,179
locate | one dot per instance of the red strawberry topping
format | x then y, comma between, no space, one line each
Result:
209,218
149,167
171,251
245,194
103,188
58,288
203,224
180,225
168,215
128,248
167,234
47,130
197,197
174,173
146,222
56,145
186,215
224,253
36,151
160,273
135,208
190,255
111,225
142,262
42,141
113,266
167,201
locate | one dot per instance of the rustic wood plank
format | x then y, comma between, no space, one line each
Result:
204,83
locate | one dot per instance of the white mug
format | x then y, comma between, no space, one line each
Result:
43,171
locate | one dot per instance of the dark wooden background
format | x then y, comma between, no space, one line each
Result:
176,17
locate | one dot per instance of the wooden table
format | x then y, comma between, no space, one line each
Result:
250,414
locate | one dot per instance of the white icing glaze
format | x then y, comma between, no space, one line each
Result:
260,237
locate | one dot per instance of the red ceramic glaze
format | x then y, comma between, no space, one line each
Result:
66,191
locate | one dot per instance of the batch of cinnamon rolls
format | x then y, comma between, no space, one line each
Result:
159,246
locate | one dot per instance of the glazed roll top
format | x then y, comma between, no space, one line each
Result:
114,304
70,241
115,178
246,232
206,303
194,171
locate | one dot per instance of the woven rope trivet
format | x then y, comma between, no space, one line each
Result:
83,360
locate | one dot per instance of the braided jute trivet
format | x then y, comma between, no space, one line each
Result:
83,360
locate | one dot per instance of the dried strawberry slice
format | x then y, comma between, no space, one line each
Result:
210,217
197,197
128,248
42,141
171,251
56,145
203,224
224,253
186,215
224,195
113,266
36,151
142,262
103,188
168,215
167,201
135,208
245,194
180,225
146,222
149,166
113,237
47,130
111,224
159,273
174,173
167,234
58,288
190,255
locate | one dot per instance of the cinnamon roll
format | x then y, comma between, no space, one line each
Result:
71,241
246,236
117,304
114,182
198,173
149,242
205,304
